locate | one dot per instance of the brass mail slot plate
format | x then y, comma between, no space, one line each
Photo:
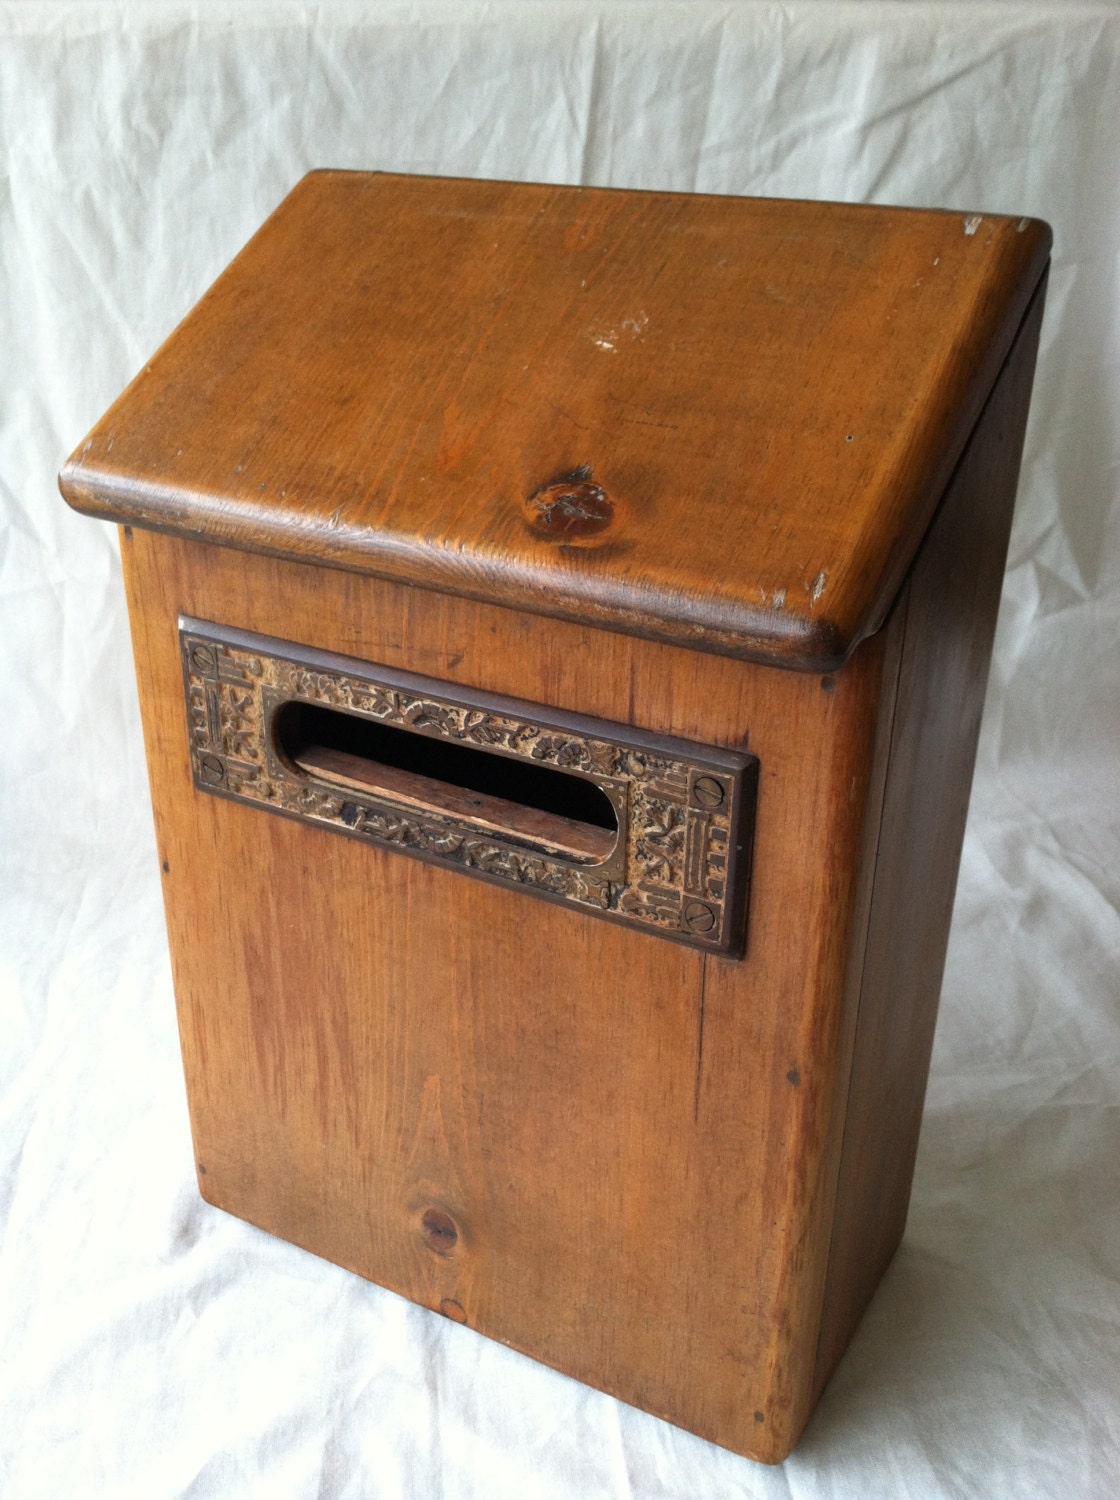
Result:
644,829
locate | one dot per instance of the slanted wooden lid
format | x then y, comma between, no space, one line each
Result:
722,422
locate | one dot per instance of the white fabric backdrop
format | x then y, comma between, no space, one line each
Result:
151,1346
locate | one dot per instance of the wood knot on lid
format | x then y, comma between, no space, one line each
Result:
570,508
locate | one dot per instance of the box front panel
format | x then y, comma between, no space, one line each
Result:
610,1151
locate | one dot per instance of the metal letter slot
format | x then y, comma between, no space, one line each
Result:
616,822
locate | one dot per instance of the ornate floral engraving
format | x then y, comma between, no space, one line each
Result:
659,849
669,872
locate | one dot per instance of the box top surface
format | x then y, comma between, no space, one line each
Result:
722,422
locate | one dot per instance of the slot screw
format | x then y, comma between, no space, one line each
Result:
698,917
707,791
211,769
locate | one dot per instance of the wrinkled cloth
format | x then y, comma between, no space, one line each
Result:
155,1347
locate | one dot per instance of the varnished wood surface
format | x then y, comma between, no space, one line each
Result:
608,1151
947,620
674,1176
715,421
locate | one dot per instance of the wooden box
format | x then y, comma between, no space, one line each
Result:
561,619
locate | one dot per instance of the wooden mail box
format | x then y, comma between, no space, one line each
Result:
561,618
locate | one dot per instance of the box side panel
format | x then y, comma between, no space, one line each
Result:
609,1151
948,617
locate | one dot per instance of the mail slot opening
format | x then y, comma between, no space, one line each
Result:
516,799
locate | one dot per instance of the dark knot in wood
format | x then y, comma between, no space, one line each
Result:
570,507
439,1231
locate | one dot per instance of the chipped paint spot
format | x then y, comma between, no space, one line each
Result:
779,598
86,446
333,522
937,260
1022,224
610,338
817,588
972,223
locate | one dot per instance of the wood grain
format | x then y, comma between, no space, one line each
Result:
630,1139
638,449
947,620
720,422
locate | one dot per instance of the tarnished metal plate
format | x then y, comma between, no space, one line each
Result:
678,869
